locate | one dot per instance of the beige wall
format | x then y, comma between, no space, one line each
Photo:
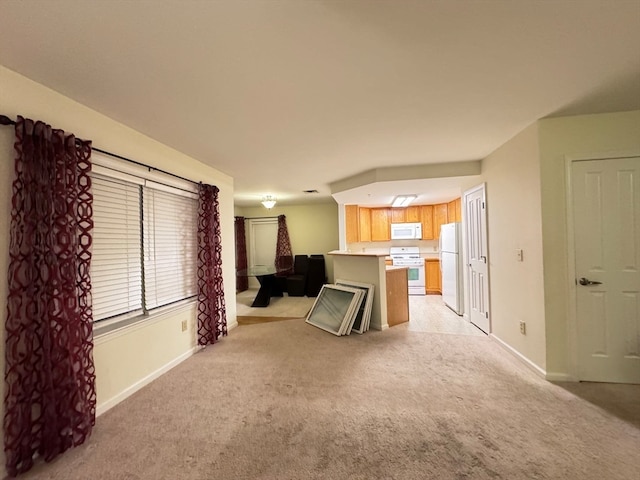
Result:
560,137
131,357
313,228
512,175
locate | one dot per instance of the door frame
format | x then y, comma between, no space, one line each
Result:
253,222
572,292
465,247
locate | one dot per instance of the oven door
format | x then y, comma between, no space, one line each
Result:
415,274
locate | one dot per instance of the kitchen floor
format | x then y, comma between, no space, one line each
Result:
428,313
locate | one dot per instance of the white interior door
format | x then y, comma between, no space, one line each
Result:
477,257
606,218
263,239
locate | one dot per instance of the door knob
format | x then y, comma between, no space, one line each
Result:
586,281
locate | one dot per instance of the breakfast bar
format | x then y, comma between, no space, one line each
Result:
369,267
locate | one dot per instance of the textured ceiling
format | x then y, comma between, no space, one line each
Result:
287,96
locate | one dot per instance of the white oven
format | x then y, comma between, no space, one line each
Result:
410,257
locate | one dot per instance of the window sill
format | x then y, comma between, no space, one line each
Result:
120,327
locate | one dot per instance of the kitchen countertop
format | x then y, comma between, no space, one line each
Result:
357,254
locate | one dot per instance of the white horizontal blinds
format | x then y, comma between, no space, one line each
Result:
116,270
170,222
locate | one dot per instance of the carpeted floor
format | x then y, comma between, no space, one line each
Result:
285,400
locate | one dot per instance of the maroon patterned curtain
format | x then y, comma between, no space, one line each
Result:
284,256
242,281
212,315
50,401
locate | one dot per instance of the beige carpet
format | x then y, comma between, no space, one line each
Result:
286,400
288,307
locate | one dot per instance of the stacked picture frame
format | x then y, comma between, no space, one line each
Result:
342,307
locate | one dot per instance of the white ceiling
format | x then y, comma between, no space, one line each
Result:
292,95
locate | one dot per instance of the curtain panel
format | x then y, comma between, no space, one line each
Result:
242,281
212,316
284,255
50,399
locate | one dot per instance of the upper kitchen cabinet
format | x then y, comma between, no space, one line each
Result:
380,224
454,210
413,214
357,223
364,216
440,217
398,215
426,218
351,222
365,224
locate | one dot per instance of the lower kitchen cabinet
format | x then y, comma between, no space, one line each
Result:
397,296
433,281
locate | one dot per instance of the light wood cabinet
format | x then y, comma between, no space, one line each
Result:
398,215
451,211
364,220
454,210
352,226
397,296
426,217
380,225
433,280
413,214
440,217
364,224
357,223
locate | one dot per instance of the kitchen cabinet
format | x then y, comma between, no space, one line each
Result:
357,223
398,215
426,217
413,214
440,217
364,224
351,222
397,296
380,225
364,220
433,280
454,210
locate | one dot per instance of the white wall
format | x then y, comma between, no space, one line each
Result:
560,137
125,360
512,175
313,228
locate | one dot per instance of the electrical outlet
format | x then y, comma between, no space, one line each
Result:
184,325
523,328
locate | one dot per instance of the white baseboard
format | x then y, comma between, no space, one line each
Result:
113,401
560,377
535,368
232,325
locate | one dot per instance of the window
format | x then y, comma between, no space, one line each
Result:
144,242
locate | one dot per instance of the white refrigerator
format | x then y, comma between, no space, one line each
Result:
451,266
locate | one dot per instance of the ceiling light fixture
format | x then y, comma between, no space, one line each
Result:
269,202
403,200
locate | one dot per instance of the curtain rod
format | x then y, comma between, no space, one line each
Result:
4,120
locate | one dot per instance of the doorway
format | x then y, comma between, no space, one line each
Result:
604,240
263,238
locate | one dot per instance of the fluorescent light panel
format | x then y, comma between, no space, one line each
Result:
403,200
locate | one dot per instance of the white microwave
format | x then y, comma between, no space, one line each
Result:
406,231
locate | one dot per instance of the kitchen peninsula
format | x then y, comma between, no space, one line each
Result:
369,267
